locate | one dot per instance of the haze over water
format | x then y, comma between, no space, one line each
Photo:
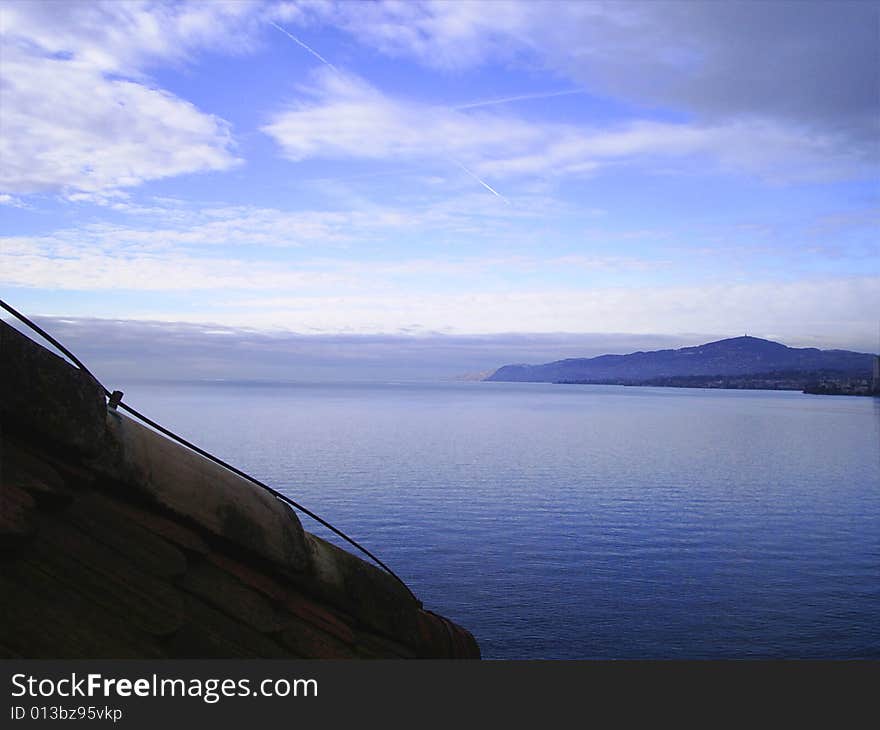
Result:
583,521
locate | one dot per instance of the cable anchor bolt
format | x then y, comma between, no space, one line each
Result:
114,400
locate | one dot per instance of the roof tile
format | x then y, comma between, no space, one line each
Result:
33,474
100,517
16,514
213,497
309,641
41,619
78,564
229,595
207,633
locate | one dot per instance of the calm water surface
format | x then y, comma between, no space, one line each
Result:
583,521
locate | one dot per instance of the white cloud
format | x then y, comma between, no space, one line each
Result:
305,290
80,116
194,251
11,200
448,35
62,269
769,59
837,309
168,245
66,128
344,117
169,227
826,310
124,37
347,117
769,88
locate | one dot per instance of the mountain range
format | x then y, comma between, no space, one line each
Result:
735,356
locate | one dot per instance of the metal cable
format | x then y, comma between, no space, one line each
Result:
116,401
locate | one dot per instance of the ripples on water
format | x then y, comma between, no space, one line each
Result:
583,521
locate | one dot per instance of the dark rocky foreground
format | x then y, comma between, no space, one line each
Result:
116,542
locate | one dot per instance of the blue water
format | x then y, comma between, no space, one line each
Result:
584,521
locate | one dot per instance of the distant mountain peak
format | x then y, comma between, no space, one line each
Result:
740,355
741,342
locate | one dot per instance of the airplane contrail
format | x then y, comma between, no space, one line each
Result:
521,97
330,65
308,48
482,182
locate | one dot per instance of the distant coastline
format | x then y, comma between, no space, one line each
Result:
822,383
738,363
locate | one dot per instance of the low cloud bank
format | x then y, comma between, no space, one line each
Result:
120,351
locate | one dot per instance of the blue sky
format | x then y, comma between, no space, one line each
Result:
421,169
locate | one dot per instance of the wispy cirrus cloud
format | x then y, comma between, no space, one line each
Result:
140,269
172,225
248,248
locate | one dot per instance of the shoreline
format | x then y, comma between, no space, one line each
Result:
807,389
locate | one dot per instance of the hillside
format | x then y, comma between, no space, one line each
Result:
734,356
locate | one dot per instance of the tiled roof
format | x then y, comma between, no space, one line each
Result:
116,542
